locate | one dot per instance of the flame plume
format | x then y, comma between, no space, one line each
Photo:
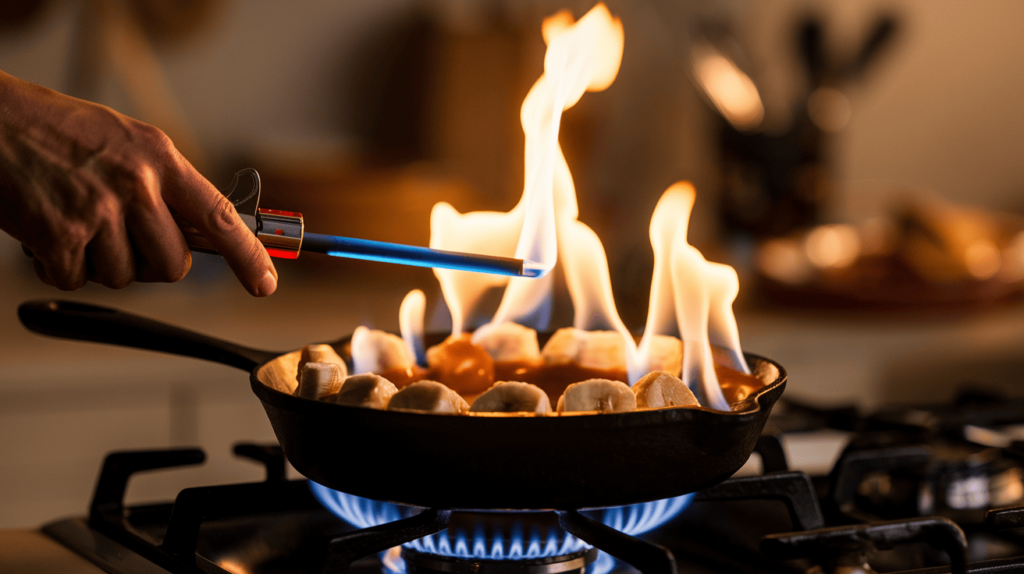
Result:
410,322
697,293
690,296
581,56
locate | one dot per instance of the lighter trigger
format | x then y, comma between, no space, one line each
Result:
244,193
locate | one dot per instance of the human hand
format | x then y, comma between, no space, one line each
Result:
89,192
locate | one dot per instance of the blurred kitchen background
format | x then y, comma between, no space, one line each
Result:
895,124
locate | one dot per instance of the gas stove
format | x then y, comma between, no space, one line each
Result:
923,489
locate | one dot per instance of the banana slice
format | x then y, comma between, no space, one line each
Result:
508,342
320,354
367,391
661,389
318,380
600,395
375,351
512,397
593,349
665,354
429,396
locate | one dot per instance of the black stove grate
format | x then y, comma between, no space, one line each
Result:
781,521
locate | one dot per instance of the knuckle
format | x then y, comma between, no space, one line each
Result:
74,240
131,181
106,209
64,262
222,217
147,200
154,137
59,243
140,178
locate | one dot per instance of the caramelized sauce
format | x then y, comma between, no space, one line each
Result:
464,367
736,386
553,379
403,377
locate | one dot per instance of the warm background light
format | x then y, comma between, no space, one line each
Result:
832,245
363,115
731,90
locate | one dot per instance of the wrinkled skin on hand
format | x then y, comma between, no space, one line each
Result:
89,193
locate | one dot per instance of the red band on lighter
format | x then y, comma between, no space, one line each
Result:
279,212
282,253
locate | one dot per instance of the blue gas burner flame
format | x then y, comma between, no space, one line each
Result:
503,540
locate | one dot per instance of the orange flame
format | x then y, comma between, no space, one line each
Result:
689,295
410,323
581,56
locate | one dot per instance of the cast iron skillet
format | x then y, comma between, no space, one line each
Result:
462,462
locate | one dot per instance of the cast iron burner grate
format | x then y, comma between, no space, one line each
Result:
180,537
277,526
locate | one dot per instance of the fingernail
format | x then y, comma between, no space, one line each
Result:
267,285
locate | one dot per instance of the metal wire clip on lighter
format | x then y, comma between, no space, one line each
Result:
284,236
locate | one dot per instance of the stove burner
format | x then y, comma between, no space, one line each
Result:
501,536
278,526
179,536
426,563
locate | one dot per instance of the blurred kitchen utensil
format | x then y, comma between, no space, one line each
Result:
776,183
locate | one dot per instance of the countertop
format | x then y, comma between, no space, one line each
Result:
32,552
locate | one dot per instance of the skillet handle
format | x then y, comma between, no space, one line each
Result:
69,320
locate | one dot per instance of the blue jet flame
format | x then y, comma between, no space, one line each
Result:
516,544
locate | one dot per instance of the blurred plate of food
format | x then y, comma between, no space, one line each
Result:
926,253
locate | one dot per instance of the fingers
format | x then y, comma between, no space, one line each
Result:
163,254
64,269
41,272
109,258
109,219
199,203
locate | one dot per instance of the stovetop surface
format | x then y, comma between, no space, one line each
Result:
913,488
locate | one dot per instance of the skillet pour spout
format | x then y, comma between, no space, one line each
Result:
462,462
